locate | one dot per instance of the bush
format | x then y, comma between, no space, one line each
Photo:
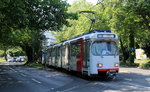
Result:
128,64
2,60
1,53
145,65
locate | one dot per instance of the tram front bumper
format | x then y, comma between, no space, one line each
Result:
107,72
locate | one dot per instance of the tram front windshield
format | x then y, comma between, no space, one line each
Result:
104,48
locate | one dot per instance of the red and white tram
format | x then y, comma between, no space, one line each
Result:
93,53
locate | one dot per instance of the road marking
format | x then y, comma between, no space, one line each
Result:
128,79
12,69
23,75
36,81
19,81
52,88
135,84
147,79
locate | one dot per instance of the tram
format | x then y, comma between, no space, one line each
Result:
94,53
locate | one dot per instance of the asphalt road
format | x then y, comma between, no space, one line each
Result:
26,79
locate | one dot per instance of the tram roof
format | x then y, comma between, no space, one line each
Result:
86,33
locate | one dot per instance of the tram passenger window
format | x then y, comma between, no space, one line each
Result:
49,52
58,51
75,49
63,51
53,52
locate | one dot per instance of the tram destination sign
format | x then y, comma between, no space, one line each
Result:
105,36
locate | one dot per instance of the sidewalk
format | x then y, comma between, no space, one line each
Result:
12,63
134,70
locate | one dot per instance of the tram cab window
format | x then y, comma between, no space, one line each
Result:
104,48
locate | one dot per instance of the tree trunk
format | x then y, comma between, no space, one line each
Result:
29,53
5,55
124,51
131,47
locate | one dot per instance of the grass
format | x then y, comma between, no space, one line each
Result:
36,64
2,60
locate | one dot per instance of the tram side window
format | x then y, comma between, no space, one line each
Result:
63,51
49,52
53,52
75,49
58,51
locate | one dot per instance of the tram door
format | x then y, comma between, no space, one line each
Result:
74,56
86,56
80,57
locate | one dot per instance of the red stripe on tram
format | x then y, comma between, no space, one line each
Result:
115,69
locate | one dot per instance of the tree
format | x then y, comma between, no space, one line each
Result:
140,8
34,14
30,17
30,41
5,47
79,24
129,21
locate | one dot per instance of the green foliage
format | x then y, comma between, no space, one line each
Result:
22,22
145,43
77,25
127,24
141,8
15,51
2,60
34,14
1,53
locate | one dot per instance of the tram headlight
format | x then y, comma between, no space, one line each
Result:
116,65
99,65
